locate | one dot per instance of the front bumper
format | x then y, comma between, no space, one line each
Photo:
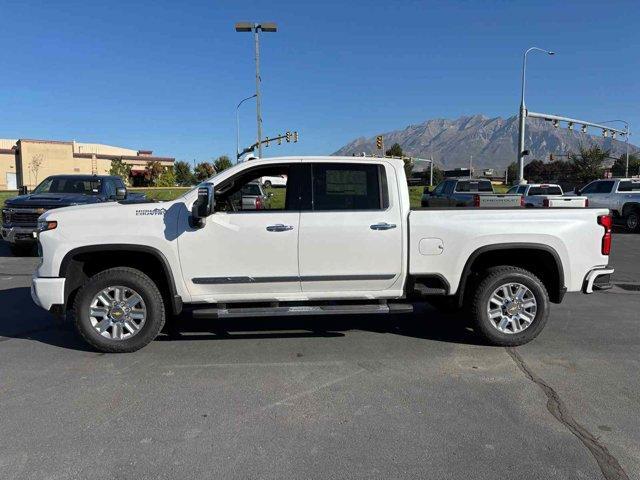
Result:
19,234
598,279
47,292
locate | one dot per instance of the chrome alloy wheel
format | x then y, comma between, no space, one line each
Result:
512,308
117,313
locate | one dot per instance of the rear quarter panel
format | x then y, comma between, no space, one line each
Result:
574,235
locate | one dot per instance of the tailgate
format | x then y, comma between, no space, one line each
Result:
498,200
565,202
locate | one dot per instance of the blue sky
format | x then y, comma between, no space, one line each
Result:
167,75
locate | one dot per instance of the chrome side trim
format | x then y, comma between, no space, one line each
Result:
309,278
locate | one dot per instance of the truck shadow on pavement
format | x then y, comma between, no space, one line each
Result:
22,319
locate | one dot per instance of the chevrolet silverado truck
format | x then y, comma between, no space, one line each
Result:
548,196
468,192
20,214
620,195
343,240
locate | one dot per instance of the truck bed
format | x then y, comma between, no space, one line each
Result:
441,240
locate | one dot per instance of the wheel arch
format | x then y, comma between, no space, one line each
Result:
542,260
81,263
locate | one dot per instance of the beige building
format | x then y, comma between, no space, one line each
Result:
27,162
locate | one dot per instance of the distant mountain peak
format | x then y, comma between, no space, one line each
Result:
491,141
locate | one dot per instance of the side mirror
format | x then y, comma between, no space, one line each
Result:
576,190
426,191
23,190
203,206
121,193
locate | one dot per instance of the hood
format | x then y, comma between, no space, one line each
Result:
50,200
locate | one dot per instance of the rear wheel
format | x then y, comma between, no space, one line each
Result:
510,306
632,220
267,184
119,310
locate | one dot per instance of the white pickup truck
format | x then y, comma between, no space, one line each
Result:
343,240
620,195
547,195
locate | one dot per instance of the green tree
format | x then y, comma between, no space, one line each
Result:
203,171
183,173
166,178
121,169
587,165
394,151
438,175
620,166
222,163
152,172
512,173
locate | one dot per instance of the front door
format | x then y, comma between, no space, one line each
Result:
245,248
351,238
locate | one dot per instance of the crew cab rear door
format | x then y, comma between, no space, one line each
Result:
351,233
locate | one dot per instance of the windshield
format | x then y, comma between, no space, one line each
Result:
83,186
251,189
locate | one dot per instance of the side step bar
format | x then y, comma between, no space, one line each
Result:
302,310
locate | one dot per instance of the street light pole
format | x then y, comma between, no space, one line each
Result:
238,125
627,133
523,114
256,28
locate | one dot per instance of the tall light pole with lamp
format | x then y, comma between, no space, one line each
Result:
256,28
627,133
238,125
523,114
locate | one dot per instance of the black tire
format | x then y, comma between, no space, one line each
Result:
267,184
632,220
493,278
21,250
130,278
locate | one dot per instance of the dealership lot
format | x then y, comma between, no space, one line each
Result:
411,396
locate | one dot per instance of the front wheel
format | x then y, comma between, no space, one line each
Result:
119,310
267,184
510,306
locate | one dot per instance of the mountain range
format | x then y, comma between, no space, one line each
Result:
492,141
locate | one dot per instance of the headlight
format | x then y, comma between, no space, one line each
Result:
44,225
6,215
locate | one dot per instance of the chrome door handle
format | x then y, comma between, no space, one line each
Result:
279,227
383,226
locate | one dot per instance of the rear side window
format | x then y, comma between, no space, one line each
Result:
463,187
551,190
485,186
349,187
629,186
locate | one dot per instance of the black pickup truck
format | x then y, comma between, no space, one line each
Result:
20,214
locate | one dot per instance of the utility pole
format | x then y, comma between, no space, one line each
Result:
256,28
523,115
431,171
470,166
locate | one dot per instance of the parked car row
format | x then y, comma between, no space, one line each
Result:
20,214
547,195
620,195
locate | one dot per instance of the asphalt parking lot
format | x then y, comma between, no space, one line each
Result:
411,396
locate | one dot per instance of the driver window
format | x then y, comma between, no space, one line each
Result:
257,190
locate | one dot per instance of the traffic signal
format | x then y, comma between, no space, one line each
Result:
279,139
288,136
379,142
551,157
295,137
266,141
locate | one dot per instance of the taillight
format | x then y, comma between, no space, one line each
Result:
607,222
476,200
522,204
259,205
545,202
586,202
